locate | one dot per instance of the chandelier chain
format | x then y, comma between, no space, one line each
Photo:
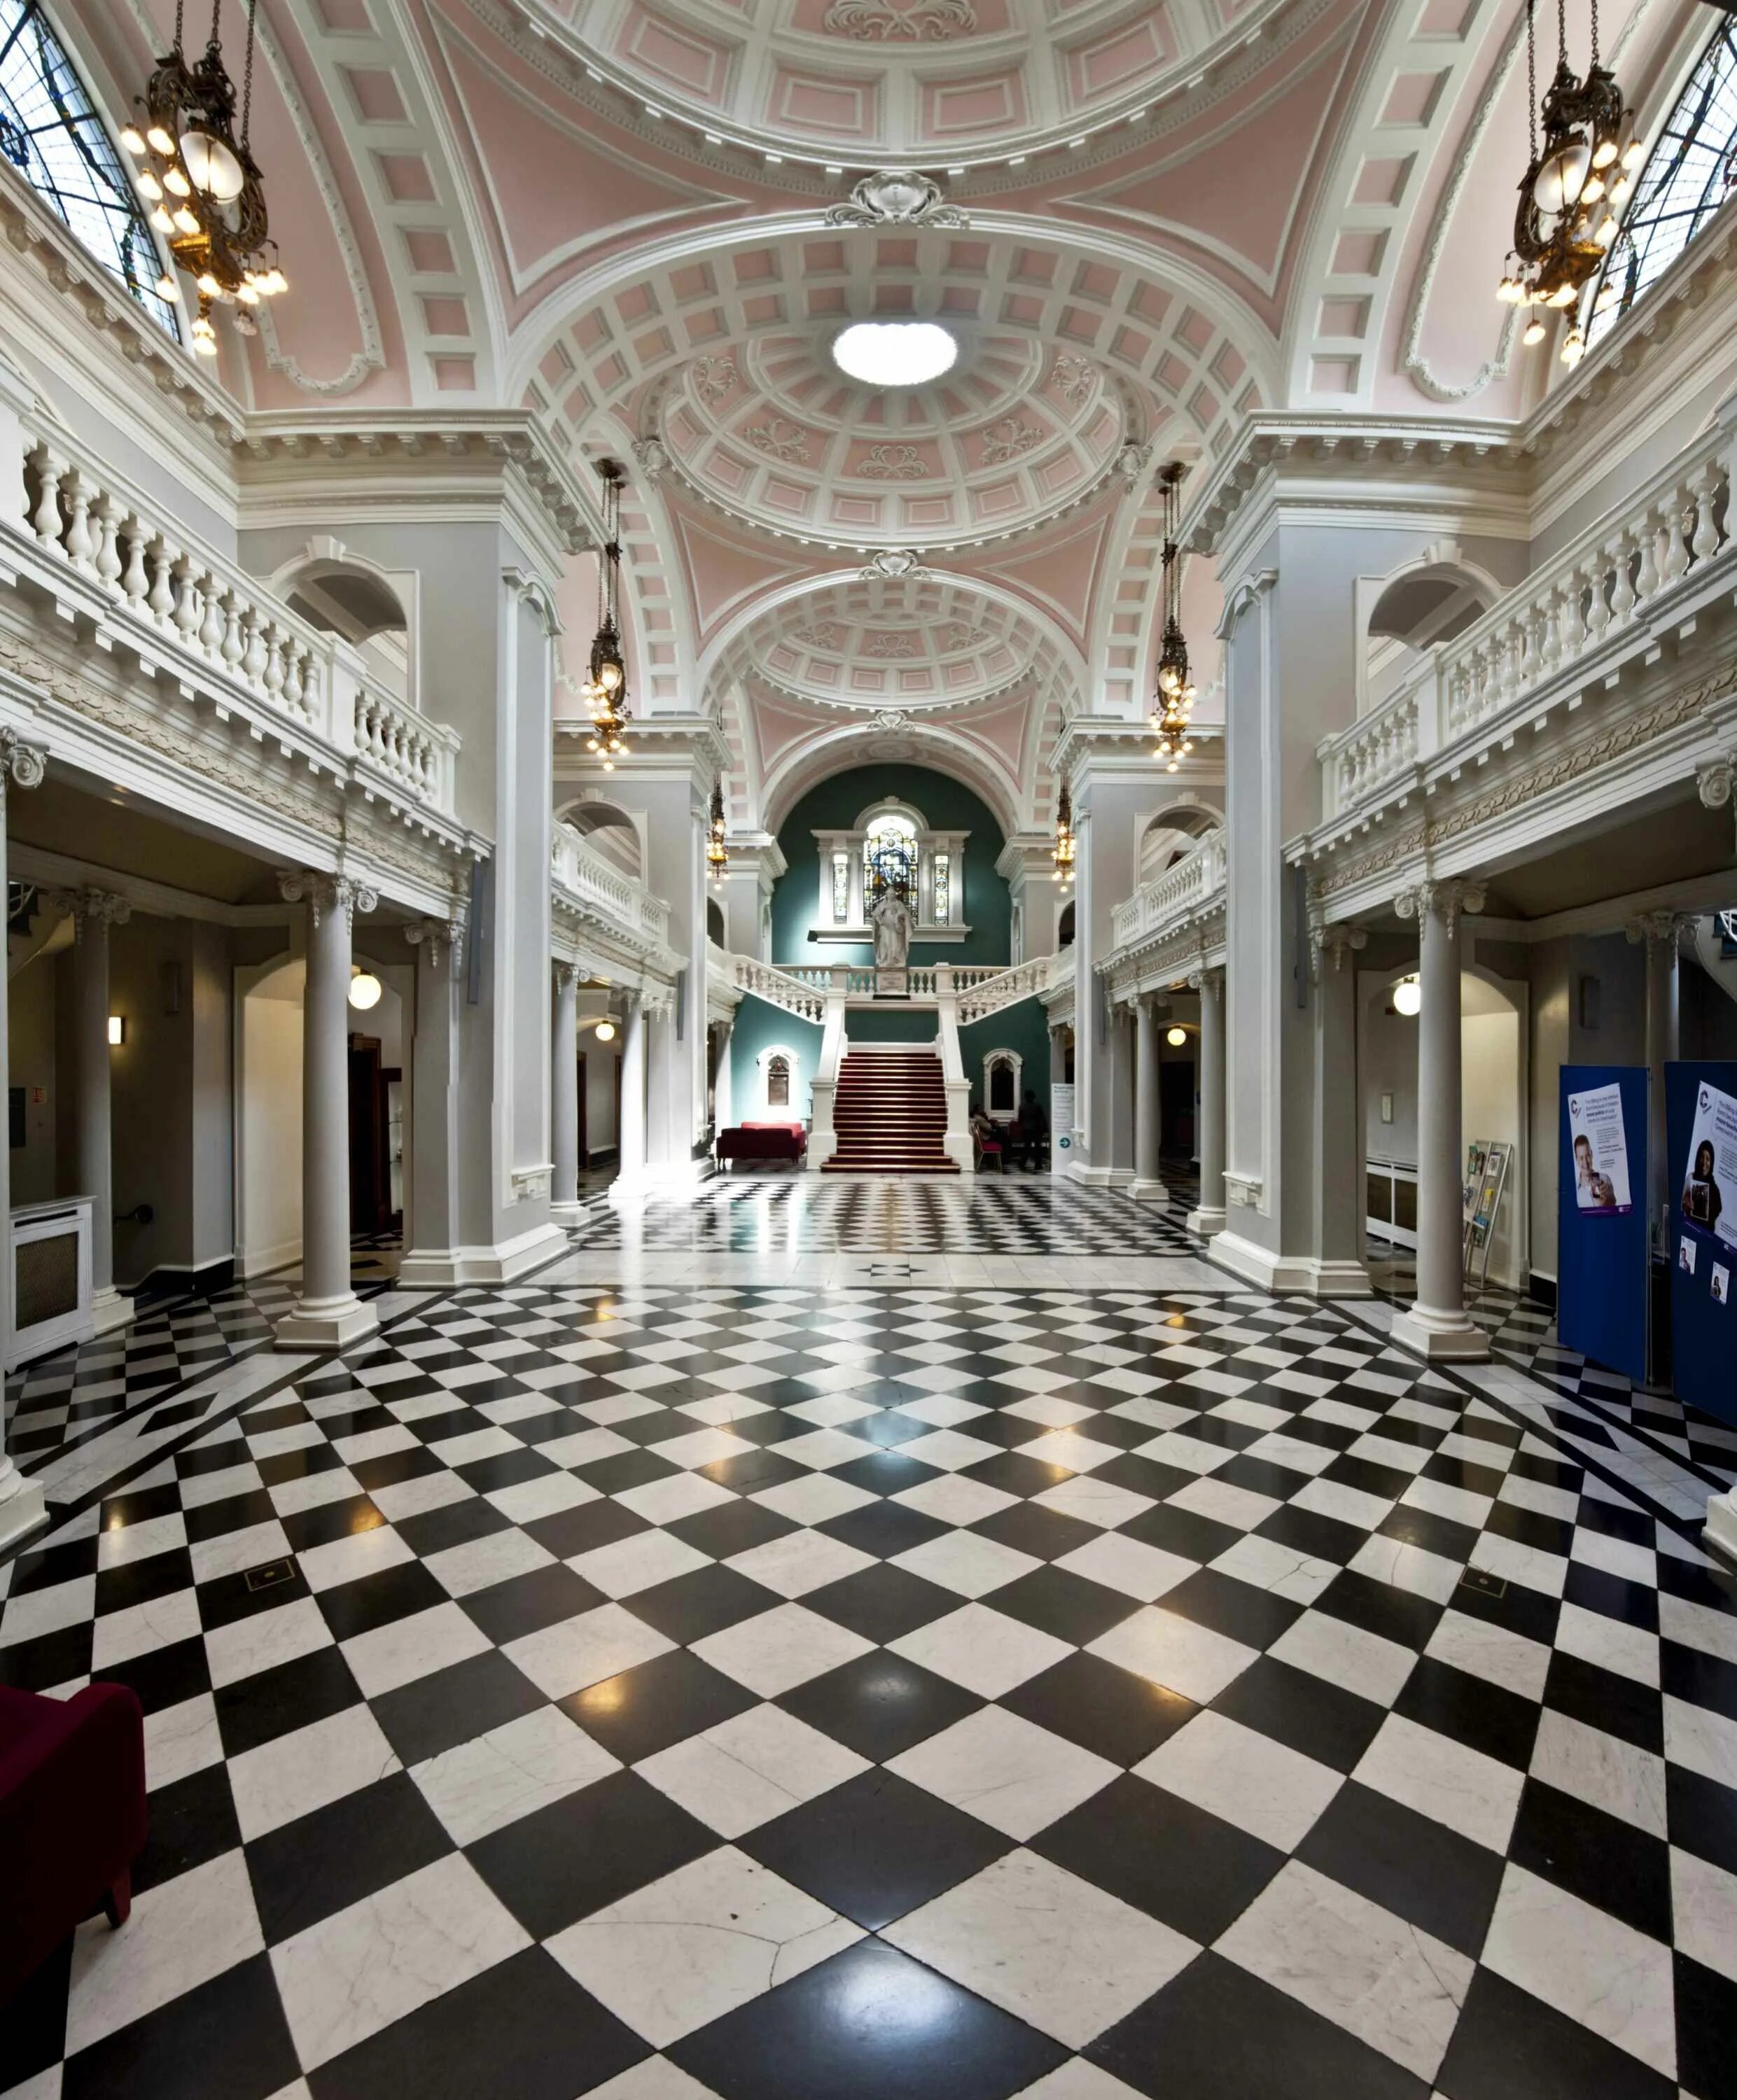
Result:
247,75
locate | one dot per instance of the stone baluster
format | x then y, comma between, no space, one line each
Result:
235,643
1573,624
272,677
294,655
1676,561
211,624
107,561
1647,574
253,656
45,520
1705,542
161,601
189,610
80,548
1622,586
135,583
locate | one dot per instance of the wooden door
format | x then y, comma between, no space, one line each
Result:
370,1178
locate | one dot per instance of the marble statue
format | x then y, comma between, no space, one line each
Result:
892,931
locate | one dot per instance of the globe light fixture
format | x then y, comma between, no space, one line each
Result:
364,989
894,353
605,1032
605,690
1176,1036
1574,188
1407,997
205,189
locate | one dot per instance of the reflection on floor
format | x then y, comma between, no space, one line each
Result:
175,1337
784,1694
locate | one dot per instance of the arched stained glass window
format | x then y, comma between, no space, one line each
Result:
50,132
1690,171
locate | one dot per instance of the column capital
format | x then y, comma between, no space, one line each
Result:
22,764
438,936
1338,940
1443,900
324,893
86,907
1209,977
1656,929
566,975
1716,781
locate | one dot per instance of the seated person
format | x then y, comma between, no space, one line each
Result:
984,1130
1032,1132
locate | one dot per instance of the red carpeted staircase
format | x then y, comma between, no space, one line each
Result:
891,1114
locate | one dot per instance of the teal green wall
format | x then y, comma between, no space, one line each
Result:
862,1024
835,805
759,1026
1023,1028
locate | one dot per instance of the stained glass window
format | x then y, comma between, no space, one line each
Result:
840,888
1690,172
890,859
943,888
50,131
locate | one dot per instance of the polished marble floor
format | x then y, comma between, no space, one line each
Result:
779,1692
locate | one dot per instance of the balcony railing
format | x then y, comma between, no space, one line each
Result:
1608,595
616,897
82,533
1192,884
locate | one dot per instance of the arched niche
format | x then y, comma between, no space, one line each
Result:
372,608
1173,831
1403,616
608,829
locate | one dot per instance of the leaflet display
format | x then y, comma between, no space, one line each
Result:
1701,1139
1603,1260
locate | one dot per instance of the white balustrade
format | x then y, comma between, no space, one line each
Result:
186,601
1612,588
581,871
1187,887
990,991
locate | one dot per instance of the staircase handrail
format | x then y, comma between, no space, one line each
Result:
996,989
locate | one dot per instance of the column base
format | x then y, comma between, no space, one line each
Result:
109,1313
1338,1279
1100,1177
1721,1532
1147,1192
1440,1337
567,1215
325,1323
441,1268
1204,1223
822,1145
23,1511
662,1177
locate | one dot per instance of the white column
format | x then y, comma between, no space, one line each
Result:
1147,1186
431,1254
94,911
1335,1266
1658,930
1721,1521
1436,1325
723,1087
328,1314
22,1509
1208,1217
564,1120
630,1137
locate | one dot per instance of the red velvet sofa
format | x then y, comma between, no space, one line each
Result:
757,1141
72,1817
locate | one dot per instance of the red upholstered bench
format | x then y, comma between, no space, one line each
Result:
72,1817
755,1141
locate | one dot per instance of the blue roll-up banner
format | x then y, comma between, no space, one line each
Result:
1601,1232
1700,1180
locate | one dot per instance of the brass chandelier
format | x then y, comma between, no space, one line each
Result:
204,188
1174,703
1572,192
1062,853
605,690
717,852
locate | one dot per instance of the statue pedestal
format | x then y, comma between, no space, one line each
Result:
892,981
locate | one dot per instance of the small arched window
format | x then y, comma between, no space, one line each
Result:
778,1082
1690,171
1064,928
50,132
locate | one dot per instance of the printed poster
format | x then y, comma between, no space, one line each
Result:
1709,1186
1601,1151
1061,1115
1722,1286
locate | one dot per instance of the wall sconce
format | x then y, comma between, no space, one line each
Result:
117,1031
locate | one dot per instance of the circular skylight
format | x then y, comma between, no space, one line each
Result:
893,353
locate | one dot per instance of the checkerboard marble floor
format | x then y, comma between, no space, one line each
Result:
776,1695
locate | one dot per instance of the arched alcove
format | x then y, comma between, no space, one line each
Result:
610,830
367,608
1171,833
1404,615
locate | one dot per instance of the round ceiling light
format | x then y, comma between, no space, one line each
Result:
1407,997
894,353
364,989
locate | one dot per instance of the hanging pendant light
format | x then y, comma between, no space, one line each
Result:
1574,188
1174,703
605,688
205,189
1062,853
717,852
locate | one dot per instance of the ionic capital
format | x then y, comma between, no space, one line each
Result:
1338,940
89,907
1656,929
437,936
22,764
1445,900
325,892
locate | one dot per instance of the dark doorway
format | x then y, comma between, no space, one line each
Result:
585,1149
1176,1108
370,1129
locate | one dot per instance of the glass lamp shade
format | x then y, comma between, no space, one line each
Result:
211,166
364,990
606,1031
1559,182
1176,1037
1407,997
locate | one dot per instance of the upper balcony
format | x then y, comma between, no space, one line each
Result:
615,918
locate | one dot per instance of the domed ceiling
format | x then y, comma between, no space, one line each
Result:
772,432
875,642
958,81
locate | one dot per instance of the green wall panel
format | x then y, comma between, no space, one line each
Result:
1024,1027
835,805
758,1026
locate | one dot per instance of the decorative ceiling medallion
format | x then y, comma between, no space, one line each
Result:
890,718
820,634
1072,377
875,22
1132,462
781,439
891,648
893,562
652,460
893,463
897,196
712,377
1008,439
957,635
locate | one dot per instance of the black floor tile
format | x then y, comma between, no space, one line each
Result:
191,1820
881,1604
526,1604
1602,1860
1706,2023
271,1702
1237,1610
870,2024
1295,1707
1113,1713
448,1706
1508,2044
879,1705
1057,1601
379,1599
876,1847
1409,1864
704,1601
645,1710
225,2039
354,1846
1482,1716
